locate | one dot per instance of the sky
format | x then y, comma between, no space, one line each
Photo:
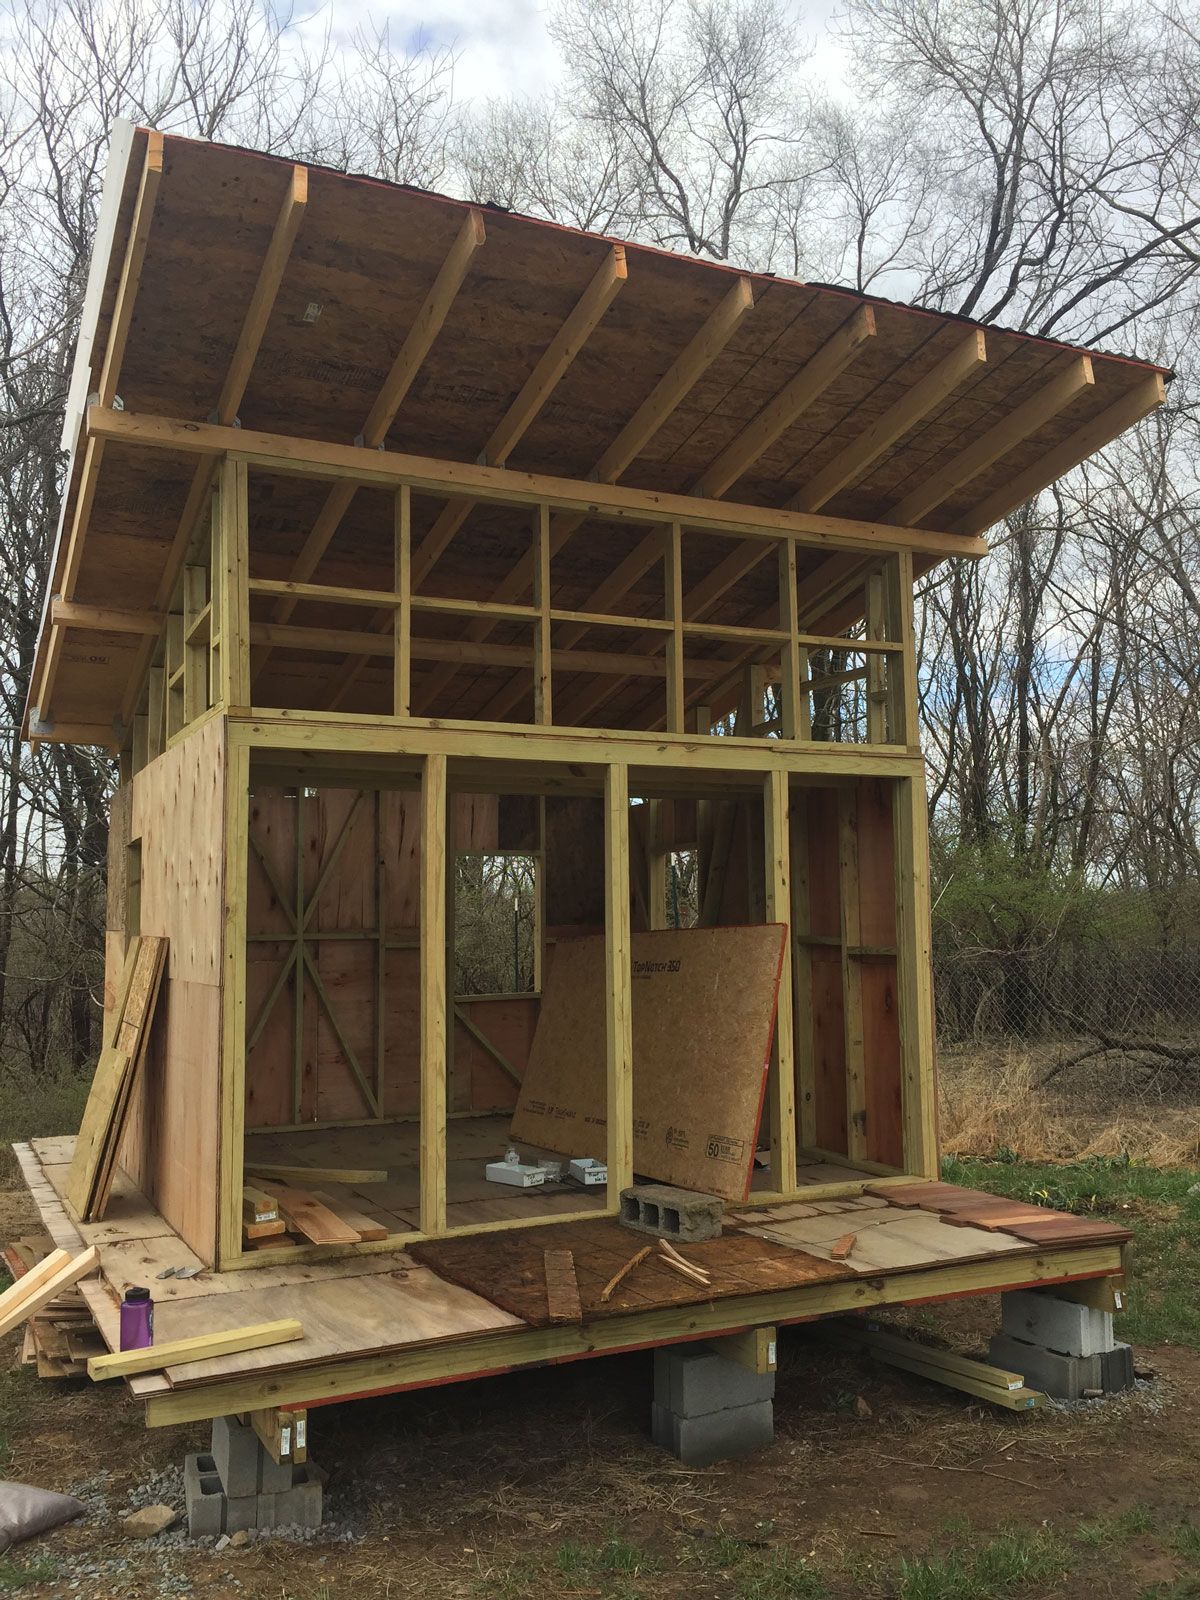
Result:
503,46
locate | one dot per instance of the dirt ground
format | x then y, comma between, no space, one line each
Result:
547,1479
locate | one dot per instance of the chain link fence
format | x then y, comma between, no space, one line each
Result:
1119,976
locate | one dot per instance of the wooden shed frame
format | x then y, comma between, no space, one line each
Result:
255,587
205,677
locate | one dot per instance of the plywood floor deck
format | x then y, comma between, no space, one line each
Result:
471,1305
471,1142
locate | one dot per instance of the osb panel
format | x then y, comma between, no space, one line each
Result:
509,1269
703,1017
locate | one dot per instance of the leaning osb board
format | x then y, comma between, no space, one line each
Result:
703,1015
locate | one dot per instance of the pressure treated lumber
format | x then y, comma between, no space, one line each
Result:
357,465
303,1212
352,1175
30,1281
103,1122
125,1363
44,1290
284,1434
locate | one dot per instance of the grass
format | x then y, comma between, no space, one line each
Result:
1161,1306
613,1556
778,1575
35,1110
21,1574
1003,1564
16,1406
1123,1525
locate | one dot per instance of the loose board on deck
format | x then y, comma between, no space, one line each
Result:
703,1017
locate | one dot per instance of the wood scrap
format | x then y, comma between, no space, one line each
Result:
29,1280
34,1291
683,1268
258,1205
175,1352
842,1247
94,1159
286,1174
979,1378
367,1228
253,1231
669,1249
562,1287
305,1214
622,1273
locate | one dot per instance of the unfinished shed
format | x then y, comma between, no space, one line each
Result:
506,635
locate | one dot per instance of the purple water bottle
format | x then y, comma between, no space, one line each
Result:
137,1319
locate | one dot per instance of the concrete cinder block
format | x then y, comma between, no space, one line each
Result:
1063,1377
203,1498
1040,1317
272,1478
1116,1369
668,1213
236,1450
718,1436
300,1506
693,1380
241,1511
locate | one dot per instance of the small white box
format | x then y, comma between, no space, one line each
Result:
588,1171
514,1173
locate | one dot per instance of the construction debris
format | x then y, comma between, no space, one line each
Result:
562,1287
619,1276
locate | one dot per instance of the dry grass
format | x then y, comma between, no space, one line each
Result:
993,1098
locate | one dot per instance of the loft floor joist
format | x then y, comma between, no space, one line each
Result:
411,547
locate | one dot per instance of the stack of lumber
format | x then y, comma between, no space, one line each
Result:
284,1206
60,1334
94,1162
994,1384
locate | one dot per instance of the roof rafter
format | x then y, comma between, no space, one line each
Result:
558,355
425,329
291,213
665,397
939,485
781,411
786,407
1135,404
899,419
106,389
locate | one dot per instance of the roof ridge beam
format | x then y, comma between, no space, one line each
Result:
319,458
